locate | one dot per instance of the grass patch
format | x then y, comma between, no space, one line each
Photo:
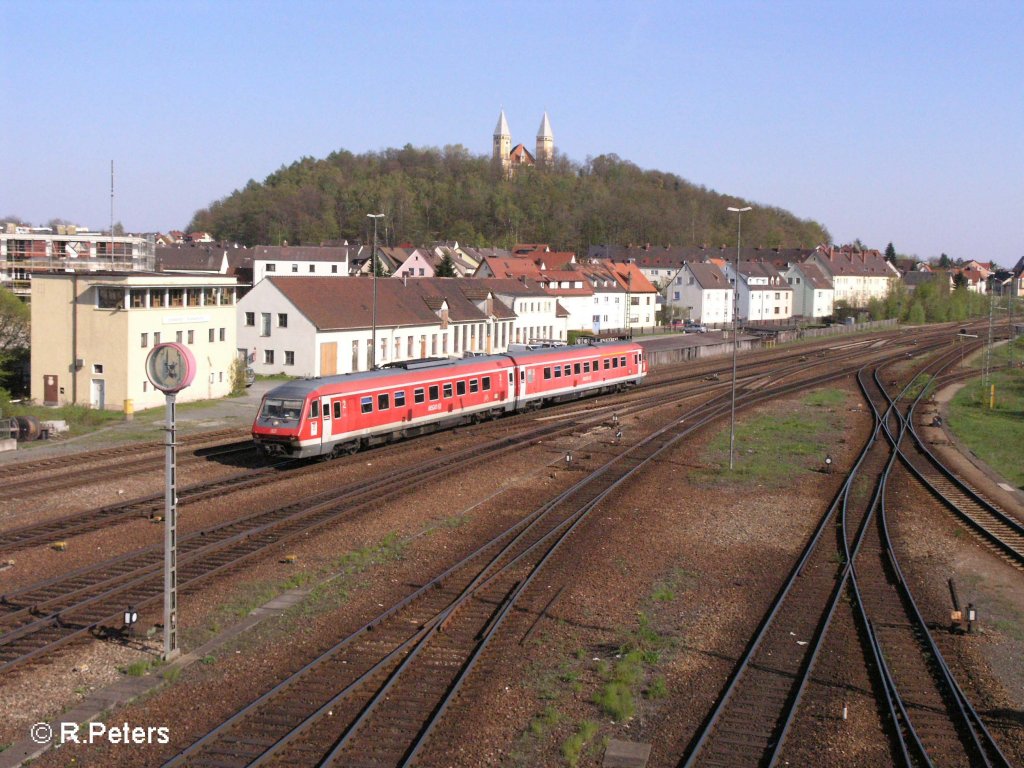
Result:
994,435
572,747
171,675
137,668
657,689
825,398
771,448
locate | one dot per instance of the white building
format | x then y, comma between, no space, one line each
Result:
857,276
320,326
813,294
274,260
763,294
703,293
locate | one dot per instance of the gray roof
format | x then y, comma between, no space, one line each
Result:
708,275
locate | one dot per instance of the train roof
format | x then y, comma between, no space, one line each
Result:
456,366
299,388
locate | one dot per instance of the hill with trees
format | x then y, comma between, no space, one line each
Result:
430,194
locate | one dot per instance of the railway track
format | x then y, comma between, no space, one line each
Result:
77,523
73,477
375,698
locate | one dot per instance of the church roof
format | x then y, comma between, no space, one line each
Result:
544,132
502,128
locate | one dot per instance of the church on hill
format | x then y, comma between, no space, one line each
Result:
513,158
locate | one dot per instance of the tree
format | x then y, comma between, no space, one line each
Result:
890,254
944,262
446,268
959,281
14,326
916,314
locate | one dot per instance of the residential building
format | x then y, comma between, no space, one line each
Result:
272,260
813,294
321,326
857,275
91,334
700,291
26,252
763,295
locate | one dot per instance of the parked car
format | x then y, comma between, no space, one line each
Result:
691,327
250,377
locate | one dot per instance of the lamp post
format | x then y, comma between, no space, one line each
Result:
735,328
373,318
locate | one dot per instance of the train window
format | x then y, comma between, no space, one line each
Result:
615,362
417,395
327,411
286,410
460,388
522,375
485,383
435,392
383,401
568,370
607,364
366,404
314,409
586,366
474,385
547,373
448,389
622,361
558,371
337,409
399,399
576,368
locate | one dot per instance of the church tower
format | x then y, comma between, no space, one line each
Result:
545,142
502,141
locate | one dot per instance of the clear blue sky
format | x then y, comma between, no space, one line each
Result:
886,121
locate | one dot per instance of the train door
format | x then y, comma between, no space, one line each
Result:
325,410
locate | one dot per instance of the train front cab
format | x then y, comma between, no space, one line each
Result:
288,424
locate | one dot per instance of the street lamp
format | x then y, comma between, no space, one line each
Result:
735,327
373,318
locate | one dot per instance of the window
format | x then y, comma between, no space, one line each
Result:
264,324
250,319
558,371
295,267
576,368
289,357
366,404
282,320
145,386
460,388
474,385
314,409
400,399
268,356
547,373
191,337
327,412
485,383
448,390
434,392
622,361
776,296
586,366
383,401
156,338
417,396
211,334
176,296
178,336
97,368
334,269
607,364
312,268
145,340
138,299
222,334
568,369
271,267
337,409
110,298
615,362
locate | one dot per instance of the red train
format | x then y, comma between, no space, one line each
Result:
341,414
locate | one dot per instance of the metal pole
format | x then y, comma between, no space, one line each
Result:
735,330
170,536
373,356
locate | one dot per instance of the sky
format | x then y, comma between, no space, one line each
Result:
888,122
